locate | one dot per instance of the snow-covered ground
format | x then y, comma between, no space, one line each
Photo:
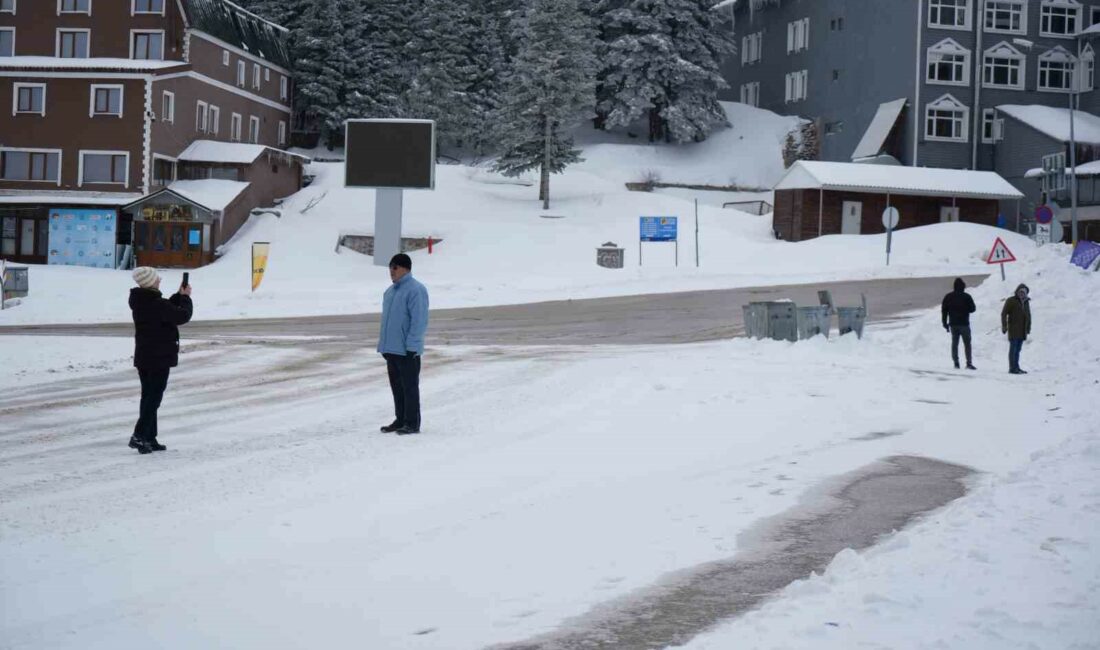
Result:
498,249
551,480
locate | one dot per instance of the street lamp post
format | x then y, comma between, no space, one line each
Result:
1075,83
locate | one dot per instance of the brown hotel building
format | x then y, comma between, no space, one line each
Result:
168,117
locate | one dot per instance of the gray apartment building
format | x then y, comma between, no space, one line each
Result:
922,82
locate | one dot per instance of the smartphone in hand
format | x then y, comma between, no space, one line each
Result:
186,279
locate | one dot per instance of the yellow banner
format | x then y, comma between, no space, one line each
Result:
259,262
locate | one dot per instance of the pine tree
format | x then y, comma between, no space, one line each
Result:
329,51
662,62
549,88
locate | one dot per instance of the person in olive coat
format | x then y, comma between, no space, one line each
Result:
955,313
1016,323
156,348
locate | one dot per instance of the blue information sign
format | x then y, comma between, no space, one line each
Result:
83,237
658,228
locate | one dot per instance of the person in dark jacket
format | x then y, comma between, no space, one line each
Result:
1016,322
955,312
156,348
401,342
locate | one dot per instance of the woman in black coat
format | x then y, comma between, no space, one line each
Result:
156,348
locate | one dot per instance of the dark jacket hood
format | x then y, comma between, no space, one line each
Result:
959,284
139,296
1025,288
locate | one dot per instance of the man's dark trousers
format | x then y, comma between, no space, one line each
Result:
153,383
963,332
404,374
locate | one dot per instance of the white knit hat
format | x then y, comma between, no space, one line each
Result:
146,277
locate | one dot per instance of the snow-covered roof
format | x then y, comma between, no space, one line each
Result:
211,193
237,153
60,197
1085,169
882,179
1054,122
59,63
883,122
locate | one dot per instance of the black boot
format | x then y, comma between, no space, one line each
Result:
142,446
406,430
390,428
156,446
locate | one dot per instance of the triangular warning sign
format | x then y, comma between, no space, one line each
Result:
1000,253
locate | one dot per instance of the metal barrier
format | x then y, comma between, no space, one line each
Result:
851,319
813,321
782,320
771,320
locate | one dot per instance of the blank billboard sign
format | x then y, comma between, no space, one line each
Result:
396,154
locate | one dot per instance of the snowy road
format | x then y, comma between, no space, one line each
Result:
656,318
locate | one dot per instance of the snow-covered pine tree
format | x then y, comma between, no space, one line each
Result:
282,12
329,53
549,88
662,61
386,71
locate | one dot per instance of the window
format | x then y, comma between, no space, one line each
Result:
215,114
1009,16
751,47
946,120
832,128
836,74
1059,18
798,35
105,100
254,130
74,7
1094,13
282,133
796,86
7,6
147,7
267,74
29,98
836,24
72,43
240,73
256,75
235,127
284,88
164,171
949,14
1003,67
750,93
30,165
200,116
225,58
7,41
948,63
104,167
168,107
1088,66
1056,70
992,128
147,44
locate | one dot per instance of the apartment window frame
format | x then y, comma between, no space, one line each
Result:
253,129
1000,56
201,116
14,7
750,93
30,164
1012,9
752,49
948,47
242,73
11,30
93,100
82,168
992,126
1065,62
798,35
284,87
135,12
1088,65
225,58
1047,9
134,33
62,11
256,79
936,9
168,107
214,116
950,109
235,121
65,31
16,87
267,75
282,133
796,86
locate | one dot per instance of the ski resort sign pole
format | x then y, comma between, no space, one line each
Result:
658,229
1000,255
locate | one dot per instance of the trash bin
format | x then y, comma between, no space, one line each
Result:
850,319
16,282
771,319
609,256
813,321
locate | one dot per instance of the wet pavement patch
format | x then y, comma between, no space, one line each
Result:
853,511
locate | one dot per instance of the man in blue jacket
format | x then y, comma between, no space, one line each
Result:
401,342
